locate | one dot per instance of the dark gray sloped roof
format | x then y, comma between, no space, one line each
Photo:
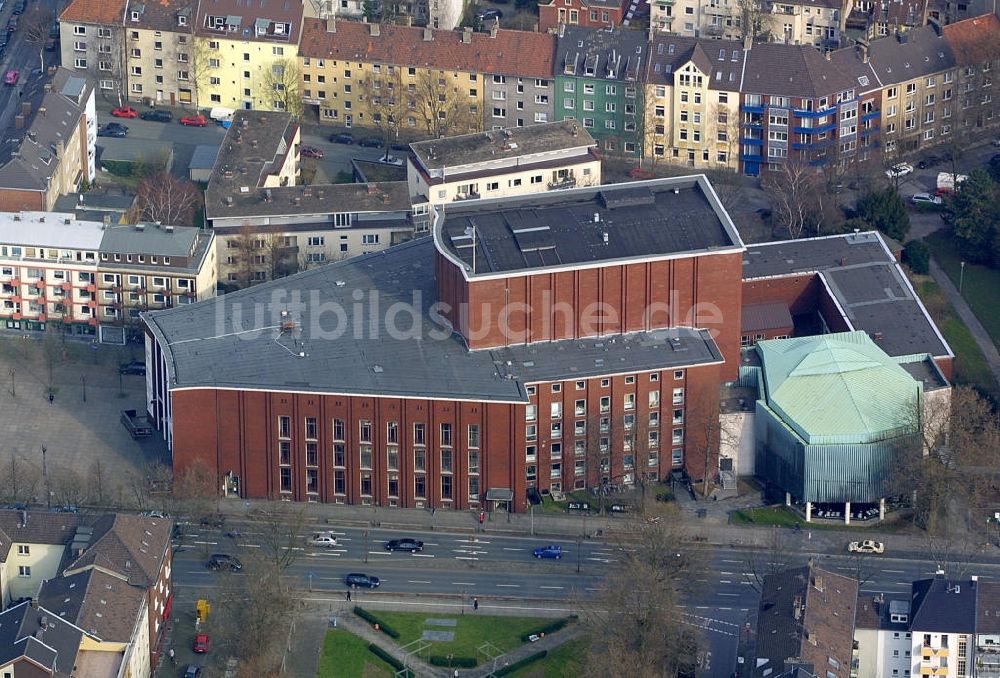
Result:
923,53
720,60
943,606
53,645
213,343
793,71
41,527
102,604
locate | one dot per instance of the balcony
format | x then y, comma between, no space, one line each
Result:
798,113
871,116
815,130
664,3
567,182
753,108
751,141
714,30
751,158
467,196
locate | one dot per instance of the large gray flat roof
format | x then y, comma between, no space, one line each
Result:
865,279
640,220
212,344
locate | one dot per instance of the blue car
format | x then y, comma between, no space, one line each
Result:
550,551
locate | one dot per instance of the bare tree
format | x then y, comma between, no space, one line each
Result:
279,532
795,192
280,83
634,627
165,199
386,103
764,562
441,105
21,478
196,489
35,30
201,65
754,19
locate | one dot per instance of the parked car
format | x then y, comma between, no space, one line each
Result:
899,170
214,520
363,580
154,514
125,112
405,148
310,152
925,199
113,129
194,120
136,423
192,671
640,173
134,367
323,539
928,161
201,643
11,77
866,546
158,116
341,139
411,545
223,561
550,551
371,142
489,15
12,24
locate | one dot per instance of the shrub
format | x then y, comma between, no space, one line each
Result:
665,496
373,620
551,627
917,255
455,662
530,659
386,657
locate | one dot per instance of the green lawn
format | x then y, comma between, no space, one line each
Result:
979,285
473,630
345,655
566,661
768,515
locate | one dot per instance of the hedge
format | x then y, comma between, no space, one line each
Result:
530,659
456,662
387,658
551,627
373,620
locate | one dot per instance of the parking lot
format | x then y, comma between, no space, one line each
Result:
89,456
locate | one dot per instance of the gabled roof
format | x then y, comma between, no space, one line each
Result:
102,604
35,527
720,60
794,71
618,54
253,21
913,54
132,546
837,385
940,605
95,12
523,53
162,15
974,41
40,636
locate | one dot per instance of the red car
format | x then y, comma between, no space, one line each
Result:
640,173
194,120
125,112
11,77
310,152
201,643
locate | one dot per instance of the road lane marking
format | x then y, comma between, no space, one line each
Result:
416,581
463,583
466,558
207,543
422,555
509,586
507,548
555,588
894,571
725,581
379,553
729,561
730,595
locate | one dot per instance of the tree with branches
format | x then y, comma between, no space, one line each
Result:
280,84
442,107
385,103
753,19
35,30
794,189
163,198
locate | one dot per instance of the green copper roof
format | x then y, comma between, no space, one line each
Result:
838,388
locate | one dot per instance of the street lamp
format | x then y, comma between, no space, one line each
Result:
13,386
961,277
45,475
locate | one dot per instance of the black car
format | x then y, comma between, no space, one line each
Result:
362,580
113,129
215,520
371,142
411,545
134,367
192,671
400,147
157,116
223,561
489,15
341,139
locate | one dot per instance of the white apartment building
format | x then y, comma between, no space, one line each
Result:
882,635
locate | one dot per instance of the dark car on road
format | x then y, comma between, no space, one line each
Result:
113,129
192,671
411,545
158,116
341,139
551,551
362,580
371,142
223,561
134,367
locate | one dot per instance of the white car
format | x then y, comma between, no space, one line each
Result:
390,160
900,170
866,546
925,199
325,539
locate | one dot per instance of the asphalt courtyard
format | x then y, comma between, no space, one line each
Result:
89,455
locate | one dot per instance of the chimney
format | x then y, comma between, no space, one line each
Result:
47,88
374,30
818,583
562,30
331,25
24,519
25,108
494,29
19,122
747,42
428,34
829,55
467,35
863,49
797,607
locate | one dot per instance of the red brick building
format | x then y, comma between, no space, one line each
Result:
557,341
586,13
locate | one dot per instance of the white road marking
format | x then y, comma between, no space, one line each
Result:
466,558
554,588
509,586
422,555
894,571
416,581
730,595
507,548
462,583
207,543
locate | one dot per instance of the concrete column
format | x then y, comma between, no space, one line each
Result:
881,508
788,498
809,511
847,513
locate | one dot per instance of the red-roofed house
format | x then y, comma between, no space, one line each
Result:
975,44
586,13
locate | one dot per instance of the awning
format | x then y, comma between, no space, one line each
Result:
499,494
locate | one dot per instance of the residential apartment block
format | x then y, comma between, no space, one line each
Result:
89,277
164,66
444,14
101,584
503,163
820,23
426,81
600,83
51,148
267,227
692,101
585,13
92,42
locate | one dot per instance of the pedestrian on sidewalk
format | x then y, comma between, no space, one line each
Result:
51,398
475,603
348,595
173,659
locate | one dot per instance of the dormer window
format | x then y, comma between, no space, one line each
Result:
135,16
182,20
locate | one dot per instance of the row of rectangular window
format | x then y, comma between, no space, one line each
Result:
365,431
366,485
366,457
605,383
604,444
